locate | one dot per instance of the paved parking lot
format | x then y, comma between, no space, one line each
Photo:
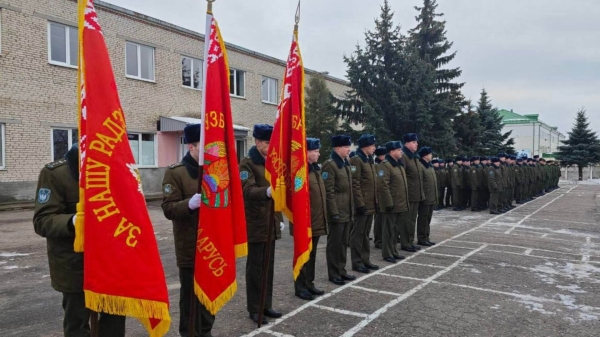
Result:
534,271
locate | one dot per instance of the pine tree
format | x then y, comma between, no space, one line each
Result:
321,120
582,148
429,40
468,130
391,87
493,140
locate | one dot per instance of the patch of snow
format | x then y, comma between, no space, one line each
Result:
496,307
502,264
12,254
587,317
11,267
475,271
572,288
535,306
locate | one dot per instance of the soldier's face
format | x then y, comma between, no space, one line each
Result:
369,150
342,151
413,146
382,157
262,146
428,157
451,164
436,165
312,156
194,150
396,154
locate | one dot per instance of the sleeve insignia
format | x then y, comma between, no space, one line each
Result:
353,168
43,195
167,189
491,173
324,175
380,173
244,175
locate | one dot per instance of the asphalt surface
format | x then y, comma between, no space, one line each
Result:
534,271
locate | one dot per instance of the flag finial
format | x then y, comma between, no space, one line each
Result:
297,17
209,6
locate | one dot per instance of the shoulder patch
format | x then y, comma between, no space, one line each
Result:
353,168
244,175
324,175
380,173
175,165
56,164
43,195
491,172
167,189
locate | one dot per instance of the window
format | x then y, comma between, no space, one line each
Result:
191,72
139,61
236,82
269,90
2,146
143,148
63,43
240,148
62,140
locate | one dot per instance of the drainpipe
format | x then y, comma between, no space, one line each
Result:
539,139
533,141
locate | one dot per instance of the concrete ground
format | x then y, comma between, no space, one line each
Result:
534,271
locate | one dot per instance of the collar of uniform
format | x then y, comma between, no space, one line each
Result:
255,156
314,167
191,165
426,164
392,160
409,153
363,156
338,160
72,158
377,161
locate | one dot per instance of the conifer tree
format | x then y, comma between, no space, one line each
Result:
492,138
321,120
468,131
582,148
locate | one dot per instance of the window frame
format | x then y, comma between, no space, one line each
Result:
69,139
234,86
3,148
155,148
192,76
66,64
139,62
240,154
267,78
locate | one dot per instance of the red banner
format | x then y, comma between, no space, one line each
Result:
222,224
123,271
286,166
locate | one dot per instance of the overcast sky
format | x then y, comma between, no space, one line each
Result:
532,56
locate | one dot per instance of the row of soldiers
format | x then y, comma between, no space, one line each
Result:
493,183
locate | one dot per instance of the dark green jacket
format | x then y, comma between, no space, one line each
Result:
474,177
364,182
456,176
318,201
179,185
57,195
256,202
430,187
338,186
414,174
393,186
495,179
441,175
466,177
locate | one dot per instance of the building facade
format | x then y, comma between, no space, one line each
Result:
158,70
532,136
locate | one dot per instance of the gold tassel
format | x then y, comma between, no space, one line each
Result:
241,250
126,306
214,306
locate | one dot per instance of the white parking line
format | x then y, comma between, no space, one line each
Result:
278,334
425,265
375,290
340,311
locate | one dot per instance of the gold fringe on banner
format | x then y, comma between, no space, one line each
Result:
214,306
241,250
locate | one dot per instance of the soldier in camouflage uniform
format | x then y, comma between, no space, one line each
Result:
54,219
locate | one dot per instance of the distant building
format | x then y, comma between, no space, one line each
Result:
158,71
532,136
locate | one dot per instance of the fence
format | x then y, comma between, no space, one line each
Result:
572,173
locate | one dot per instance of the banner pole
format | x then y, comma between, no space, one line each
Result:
265,265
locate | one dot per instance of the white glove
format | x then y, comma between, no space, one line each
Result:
74,219
194,202
269,192
281,226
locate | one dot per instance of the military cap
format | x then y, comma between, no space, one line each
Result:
435,161
191,133
352,154
380,151
449,160
410,137
519,160
542,159
475,158
501,155
459,158
465,158
313,144
366,140
495,160
393,145
262,131
536,156
425,150
340,140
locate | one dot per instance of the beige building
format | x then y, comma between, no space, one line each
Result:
158,70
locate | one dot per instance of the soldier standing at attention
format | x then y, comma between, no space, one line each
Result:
304,285
512,177
380,153
440,176
449,195
426,206
54,219
475,184
393,200
466,191
259,205
519,179
457,183
340,206
414,176
181,201
364,191
495,185
484,196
